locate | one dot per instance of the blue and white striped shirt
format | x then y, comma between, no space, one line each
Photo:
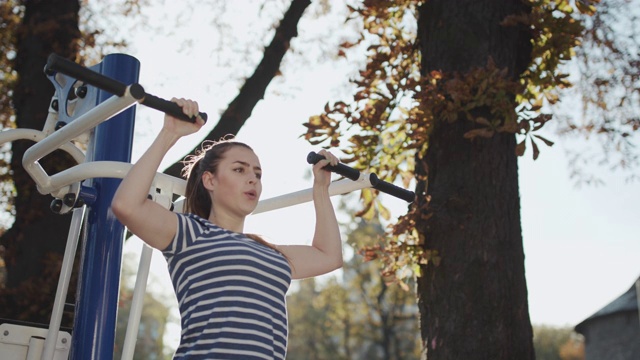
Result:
231,293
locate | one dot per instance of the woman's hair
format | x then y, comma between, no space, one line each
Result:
197,199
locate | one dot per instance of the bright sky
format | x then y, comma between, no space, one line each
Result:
581,245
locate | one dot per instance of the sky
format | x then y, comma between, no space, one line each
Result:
582,244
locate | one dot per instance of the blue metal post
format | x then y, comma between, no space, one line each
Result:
99,283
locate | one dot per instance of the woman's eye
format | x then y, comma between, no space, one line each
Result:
240,170
259,176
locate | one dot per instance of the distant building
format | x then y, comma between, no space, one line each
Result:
613,332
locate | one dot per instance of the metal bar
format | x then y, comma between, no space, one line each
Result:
335,188
58,63
37,136
99,283
136,303
63,283
113,86
351,173
111,169
82,124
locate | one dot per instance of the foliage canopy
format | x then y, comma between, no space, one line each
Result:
388,120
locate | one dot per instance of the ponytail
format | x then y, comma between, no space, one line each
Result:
197,199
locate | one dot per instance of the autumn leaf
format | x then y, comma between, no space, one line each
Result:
315,120
520,148
384,212
547,142
483,121
483,132
536,151
585,7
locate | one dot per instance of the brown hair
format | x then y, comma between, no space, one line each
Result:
197,199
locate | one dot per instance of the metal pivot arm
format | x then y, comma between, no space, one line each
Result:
376,183
86,75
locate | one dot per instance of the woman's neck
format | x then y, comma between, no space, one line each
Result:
226,221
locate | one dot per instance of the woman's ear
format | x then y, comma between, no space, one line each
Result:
208,180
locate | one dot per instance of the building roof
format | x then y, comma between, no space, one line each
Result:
626,302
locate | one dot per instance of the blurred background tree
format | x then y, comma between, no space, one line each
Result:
557,343
358,316
153,320
32,245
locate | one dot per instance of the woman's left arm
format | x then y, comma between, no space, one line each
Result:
325,252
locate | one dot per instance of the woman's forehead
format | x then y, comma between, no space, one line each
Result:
242,154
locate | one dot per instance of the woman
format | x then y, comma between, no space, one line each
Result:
230,286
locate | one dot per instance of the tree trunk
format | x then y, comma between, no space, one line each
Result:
474,304
35,242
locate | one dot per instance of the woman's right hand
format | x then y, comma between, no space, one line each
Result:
150,221
181,127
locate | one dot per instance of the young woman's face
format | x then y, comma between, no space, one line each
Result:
236,184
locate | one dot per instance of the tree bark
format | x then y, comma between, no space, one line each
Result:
474,304
253,90
35,242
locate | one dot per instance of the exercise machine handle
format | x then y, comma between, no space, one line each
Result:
339,169
56,63
353,174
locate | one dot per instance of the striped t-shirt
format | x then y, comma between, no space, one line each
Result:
231,293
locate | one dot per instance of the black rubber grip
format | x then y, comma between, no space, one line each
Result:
353,174
169,107
86,75
341,169
393,190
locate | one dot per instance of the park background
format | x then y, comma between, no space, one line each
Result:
580,240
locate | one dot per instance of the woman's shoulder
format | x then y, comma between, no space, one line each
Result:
191,229
194,218
200,222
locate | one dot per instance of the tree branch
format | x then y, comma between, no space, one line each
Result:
255,87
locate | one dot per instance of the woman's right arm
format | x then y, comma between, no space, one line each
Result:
148,220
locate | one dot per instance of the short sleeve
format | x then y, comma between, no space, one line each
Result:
190,228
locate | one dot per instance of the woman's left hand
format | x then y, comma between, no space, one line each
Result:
321,176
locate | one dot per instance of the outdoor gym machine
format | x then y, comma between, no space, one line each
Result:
84,100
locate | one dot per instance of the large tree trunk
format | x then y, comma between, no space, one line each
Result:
36,240
474,304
